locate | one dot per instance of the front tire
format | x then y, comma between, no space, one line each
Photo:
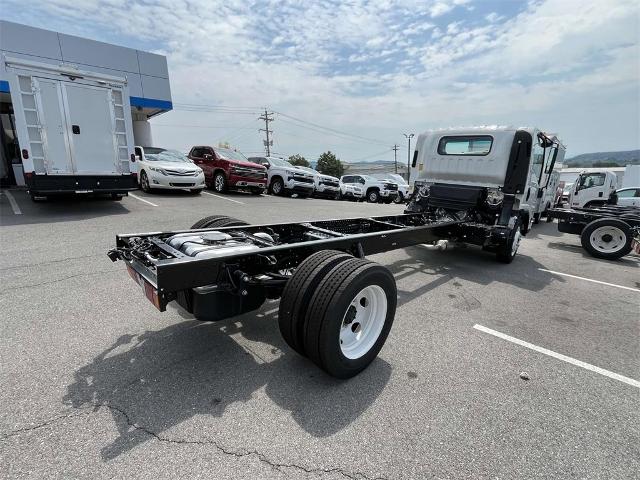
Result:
373,196
607,238
277,187
144,182
349,317
399,199
220,183
507,252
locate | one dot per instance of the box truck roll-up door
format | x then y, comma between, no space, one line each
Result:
90,128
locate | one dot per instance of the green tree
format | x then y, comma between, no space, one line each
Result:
329,164
298,159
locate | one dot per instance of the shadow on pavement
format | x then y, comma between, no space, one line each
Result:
568,247
166,377
468,263
58,209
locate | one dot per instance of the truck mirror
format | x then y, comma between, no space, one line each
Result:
207,156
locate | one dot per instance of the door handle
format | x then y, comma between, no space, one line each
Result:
75,129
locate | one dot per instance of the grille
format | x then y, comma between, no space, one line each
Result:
182,184
329,183
300,178
179,173
391,186
249,172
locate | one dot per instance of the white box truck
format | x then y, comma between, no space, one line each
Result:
74,129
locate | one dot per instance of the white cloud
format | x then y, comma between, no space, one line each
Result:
567,65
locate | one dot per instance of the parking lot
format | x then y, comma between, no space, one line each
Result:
491,370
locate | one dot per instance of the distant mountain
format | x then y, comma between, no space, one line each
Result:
630,157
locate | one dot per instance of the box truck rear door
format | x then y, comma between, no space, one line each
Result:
91,129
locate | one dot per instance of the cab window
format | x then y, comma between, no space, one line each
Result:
591,180
477,145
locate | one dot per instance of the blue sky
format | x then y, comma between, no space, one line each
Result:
375,69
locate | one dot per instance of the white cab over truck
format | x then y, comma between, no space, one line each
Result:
74,128
592,189
499,166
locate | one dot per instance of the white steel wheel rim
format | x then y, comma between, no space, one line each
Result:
363,321
516,242
145,181
219,182
608,239
276,187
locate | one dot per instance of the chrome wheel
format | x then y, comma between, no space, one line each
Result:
218,183
608,239
144,182
276,187
363,321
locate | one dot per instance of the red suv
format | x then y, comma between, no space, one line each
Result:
226,169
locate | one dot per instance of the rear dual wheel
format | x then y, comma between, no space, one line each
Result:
607,238
338,311
215,221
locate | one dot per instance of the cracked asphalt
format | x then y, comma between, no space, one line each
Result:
98,384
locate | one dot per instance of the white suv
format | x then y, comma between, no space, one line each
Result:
403,186
370,188
284,178
325,185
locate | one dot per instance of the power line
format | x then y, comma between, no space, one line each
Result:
331,129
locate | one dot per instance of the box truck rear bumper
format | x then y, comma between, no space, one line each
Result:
65,184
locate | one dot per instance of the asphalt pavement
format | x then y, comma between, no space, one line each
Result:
524,370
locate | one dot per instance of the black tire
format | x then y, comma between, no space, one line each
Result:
536,218
277,187
298,291
257,191
227,222
373,196
328,309
203,221
399,198
144,182
220,184
525,225
613,244
506,253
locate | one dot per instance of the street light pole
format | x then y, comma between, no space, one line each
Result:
408,136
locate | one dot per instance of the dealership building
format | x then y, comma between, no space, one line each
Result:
70,59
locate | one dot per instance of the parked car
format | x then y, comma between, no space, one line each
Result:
226,169
351,191
159,168
284,178
403,186
326,186
374,190
628,197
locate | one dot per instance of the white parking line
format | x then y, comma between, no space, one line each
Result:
142,199
590,280
559,356
12,202
223,198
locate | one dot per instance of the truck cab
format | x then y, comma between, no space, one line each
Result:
507,166
226,169
592,189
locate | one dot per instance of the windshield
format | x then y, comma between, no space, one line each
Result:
230,154
591,180
307,169
162,155
280,163
391,177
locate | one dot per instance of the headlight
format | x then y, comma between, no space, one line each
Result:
290,173
494,196
158,169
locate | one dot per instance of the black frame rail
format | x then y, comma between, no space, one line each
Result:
359,236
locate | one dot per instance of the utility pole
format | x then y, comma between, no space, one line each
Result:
408,136
267,117
395,157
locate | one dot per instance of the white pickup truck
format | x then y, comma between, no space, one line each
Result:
284,178
326,186
369,188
